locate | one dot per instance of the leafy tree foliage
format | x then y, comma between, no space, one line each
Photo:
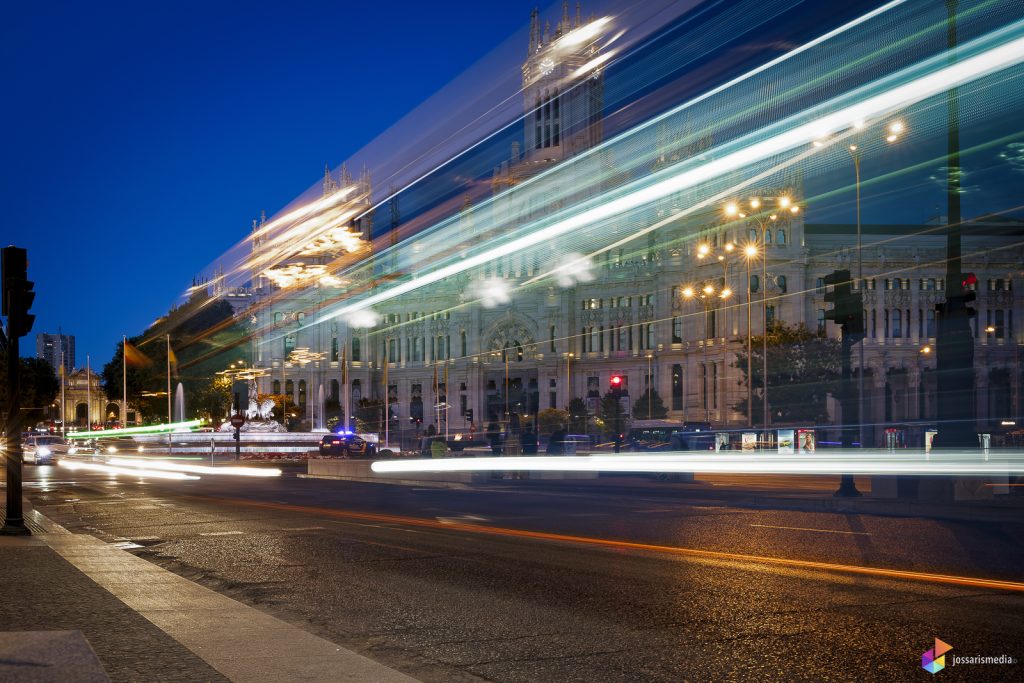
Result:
550,419
39,386
613,415
577,416
205,338
803,369
650,399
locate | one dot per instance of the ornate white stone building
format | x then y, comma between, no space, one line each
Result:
558,343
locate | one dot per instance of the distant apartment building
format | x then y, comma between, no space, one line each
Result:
50,346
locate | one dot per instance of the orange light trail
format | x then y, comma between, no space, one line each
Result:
450,525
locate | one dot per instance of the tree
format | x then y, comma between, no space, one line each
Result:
577,416
38,383
649,406
550,419
613,415
369,415
204,336
803,369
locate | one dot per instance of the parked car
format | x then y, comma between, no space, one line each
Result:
347,446
43,450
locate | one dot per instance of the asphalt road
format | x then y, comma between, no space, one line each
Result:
511,583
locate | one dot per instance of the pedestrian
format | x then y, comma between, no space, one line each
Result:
529,442
494,436
556,443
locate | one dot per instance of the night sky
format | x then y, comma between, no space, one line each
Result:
142,138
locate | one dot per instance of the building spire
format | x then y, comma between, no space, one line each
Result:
534,32
579,21
564,27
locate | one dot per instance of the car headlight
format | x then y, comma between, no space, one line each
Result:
42,450
72,450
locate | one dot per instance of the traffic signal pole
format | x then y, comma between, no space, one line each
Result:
17,297
848,313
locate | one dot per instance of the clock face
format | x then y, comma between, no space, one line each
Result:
547,66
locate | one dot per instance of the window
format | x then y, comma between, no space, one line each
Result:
905,283
334,349
920,323
462,343
897,323
755,283
335,388
1000,322
821,321
780,238
781,282
553,349
930,322
277,387
767,236
357,350
770,315
885,318
819,285
677,330
300,317
278,317
677,387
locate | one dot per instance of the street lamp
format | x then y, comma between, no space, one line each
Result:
650,383
893,132
707,295
761,218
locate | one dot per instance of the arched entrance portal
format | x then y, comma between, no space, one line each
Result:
112,413
82,414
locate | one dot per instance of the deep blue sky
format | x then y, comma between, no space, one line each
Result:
141,138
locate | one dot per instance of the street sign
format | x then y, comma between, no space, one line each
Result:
237,420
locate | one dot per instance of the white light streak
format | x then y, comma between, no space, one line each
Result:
167,466
964,464
107,469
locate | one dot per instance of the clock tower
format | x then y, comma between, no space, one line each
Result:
563,87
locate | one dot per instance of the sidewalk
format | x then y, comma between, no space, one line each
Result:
148,624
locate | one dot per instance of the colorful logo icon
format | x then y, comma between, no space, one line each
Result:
934,660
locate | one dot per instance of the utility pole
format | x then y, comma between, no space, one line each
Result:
848,312
954,345
17,298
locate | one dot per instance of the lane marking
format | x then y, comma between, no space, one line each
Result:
875,572
302,528
820,531
223,533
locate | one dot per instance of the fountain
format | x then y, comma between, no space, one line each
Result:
318,419
179,403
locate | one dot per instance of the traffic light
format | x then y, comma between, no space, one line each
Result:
848,307
17,292
616,385
969,283
469,414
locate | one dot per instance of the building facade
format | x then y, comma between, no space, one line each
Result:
667,313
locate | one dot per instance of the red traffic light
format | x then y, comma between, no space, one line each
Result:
616,381
970,279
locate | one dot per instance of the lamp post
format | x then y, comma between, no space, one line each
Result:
706,254
706,297
568,376
893,132
650,383
761,218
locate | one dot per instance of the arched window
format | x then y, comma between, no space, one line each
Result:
897,323
289,388
819,285
780,237
780,281
821,321
755,283
357,351
767,236
277,387
278,317
753,234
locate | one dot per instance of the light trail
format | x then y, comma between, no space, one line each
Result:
165,465
963,464
714,555
131,431
107,469
984,61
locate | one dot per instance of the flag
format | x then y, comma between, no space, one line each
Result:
135,358
172,359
